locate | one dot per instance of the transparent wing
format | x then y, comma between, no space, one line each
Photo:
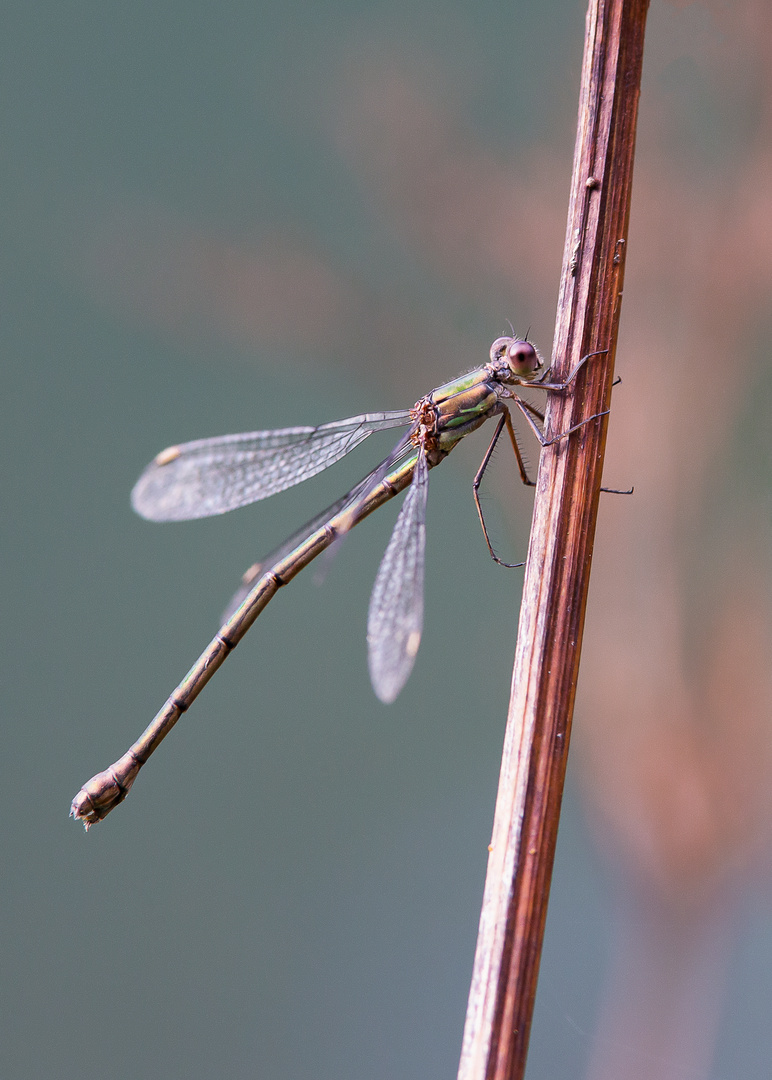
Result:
210,476
402,449
351,499
395,617
284,549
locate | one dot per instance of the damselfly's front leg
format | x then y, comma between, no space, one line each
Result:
542,385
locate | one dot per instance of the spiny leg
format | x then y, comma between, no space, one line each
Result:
529,411
505,419
563,386
543,385
532,409
526,408
618,491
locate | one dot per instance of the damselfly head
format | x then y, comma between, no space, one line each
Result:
521,357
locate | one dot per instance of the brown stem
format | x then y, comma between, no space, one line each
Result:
549,640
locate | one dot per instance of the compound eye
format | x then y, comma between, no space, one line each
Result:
499,347
523,358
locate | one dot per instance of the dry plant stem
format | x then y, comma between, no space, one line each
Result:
544,679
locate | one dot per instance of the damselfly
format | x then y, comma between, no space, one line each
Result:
211,476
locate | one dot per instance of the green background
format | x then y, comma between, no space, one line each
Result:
292,889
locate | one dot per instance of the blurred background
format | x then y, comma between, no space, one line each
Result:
226,217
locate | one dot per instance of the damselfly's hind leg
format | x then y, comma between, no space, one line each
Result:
504,419
618,491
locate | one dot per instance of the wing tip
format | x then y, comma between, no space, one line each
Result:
171,453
